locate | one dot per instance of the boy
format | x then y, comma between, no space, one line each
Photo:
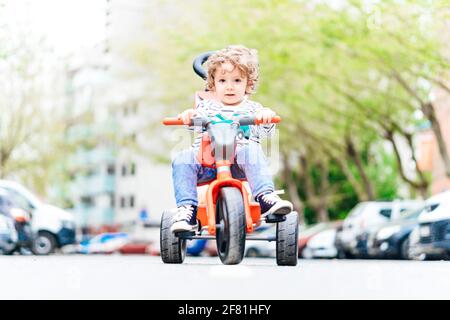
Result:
232,76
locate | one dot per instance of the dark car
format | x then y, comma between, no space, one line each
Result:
8,235
433,241
391,240
20,220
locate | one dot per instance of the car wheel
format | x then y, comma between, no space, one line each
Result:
44,244
252,253
404,250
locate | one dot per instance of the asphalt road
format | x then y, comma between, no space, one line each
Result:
146,277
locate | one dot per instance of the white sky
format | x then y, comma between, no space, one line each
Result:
68,25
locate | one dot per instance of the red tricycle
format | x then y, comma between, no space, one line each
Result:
226,211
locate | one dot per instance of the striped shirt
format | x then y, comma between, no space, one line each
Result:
216,111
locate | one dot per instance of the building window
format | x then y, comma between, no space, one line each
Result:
122,202
87,201
133,169
111,169
131,201
124,170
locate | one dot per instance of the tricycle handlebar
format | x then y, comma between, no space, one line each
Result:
244,121
197,121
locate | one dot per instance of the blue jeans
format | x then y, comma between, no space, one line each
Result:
251,163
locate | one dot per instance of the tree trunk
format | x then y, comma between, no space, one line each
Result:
353,154
292,190
309,187
420,186
323,195
362,195
317,202
3,159
423,184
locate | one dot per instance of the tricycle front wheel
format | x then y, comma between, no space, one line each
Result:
230,232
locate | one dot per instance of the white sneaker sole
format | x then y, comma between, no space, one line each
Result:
181,226
281,208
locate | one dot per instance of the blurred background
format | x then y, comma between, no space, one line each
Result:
362,86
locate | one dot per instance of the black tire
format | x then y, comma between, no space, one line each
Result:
230,233
287,240
173,249
252,253
9,252
44,243
404,250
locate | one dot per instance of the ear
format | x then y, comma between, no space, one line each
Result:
249,87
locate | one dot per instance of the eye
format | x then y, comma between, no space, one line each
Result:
221,80
238,80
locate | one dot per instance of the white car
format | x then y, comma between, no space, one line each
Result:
54,227
321,245
262,248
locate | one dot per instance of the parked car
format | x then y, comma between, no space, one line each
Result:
21,221
54,227
105,243
253,248
8,235
434,228
322,244
262,249
391,240
351,241
307,232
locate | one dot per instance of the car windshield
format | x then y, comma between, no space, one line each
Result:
18,200
411,214
357,210
310,230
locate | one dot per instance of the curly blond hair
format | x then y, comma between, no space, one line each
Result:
245,59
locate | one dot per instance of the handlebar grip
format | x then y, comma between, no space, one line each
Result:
276,119
173,121
253,121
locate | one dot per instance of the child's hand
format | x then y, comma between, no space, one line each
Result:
265,115
187,115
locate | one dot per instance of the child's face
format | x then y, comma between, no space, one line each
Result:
229,84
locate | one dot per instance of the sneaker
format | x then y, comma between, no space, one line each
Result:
271,203
185,219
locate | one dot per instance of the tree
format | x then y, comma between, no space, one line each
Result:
31,110
344,78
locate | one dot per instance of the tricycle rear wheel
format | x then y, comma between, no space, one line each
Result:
173,248
287,240
230,219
